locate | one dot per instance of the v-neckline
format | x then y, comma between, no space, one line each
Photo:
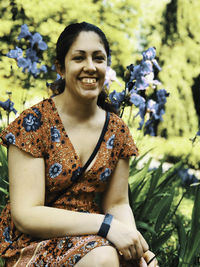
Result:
97,147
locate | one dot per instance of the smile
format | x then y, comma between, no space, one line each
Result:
88,80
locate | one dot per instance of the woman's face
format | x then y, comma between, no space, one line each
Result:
85,66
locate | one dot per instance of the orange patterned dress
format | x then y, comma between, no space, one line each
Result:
40,132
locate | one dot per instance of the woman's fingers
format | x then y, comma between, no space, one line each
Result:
136,250
143,242
126,254
148,255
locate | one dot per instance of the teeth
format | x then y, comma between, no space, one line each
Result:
88,80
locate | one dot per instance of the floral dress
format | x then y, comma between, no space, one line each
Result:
40,132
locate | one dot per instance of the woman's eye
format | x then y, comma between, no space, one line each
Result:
100,58
78,58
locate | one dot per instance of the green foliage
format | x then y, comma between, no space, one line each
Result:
3,177
154,203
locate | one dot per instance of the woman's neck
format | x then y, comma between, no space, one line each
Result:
78,109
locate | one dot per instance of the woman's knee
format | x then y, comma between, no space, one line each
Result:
100,257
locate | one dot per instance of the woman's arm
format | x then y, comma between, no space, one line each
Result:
27,196
125,236
116,199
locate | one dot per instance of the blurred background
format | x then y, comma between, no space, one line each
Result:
171,26
131,27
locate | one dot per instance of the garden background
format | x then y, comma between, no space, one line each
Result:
172,228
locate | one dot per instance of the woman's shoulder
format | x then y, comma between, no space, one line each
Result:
115,119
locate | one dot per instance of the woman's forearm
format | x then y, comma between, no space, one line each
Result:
47,222
123,213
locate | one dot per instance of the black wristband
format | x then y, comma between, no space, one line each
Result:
105,226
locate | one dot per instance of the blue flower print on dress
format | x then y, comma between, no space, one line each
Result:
104,175
110,142
55,134
10,138
55,170
38,113
31,122
6,235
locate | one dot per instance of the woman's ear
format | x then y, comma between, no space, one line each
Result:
59,69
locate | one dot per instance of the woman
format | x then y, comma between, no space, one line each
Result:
68,167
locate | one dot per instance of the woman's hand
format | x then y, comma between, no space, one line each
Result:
129,242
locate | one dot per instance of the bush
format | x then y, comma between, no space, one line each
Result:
153,196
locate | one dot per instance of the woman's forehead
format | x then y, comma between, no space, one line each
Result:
87,41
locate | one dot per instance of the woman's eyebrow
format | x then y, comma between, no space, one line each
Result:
83,51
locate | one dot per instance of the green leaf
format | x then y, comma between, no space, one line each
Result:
4,191
182,238
161,240
193,240
164,211
145,226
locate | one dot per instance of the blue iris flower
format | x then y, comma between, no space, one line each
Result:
15,53
161,96
24,32
145,67
32,55
8,105
150,54
43,68
37,39
24,63
117,98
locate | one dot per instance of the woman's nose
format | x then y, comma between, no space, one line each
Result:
89,66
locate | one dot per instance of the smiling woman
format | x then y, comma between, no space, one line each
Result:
68,170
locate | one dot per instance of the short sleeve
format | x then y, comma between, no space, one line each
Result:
25,132
128,145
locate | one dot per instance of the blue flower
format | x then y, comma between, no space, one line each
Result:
55,134
8,105
117,98
187,178
6,234
145,67
137,100
149,54
24,32
161,96
32,55
37,39
36,110
24,63
31,122
55,170
33,69
110,142
141,83
43,68
198,133
10,138
104,175
15,53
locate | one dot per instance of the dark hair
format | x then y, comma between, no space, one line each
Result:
64,42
